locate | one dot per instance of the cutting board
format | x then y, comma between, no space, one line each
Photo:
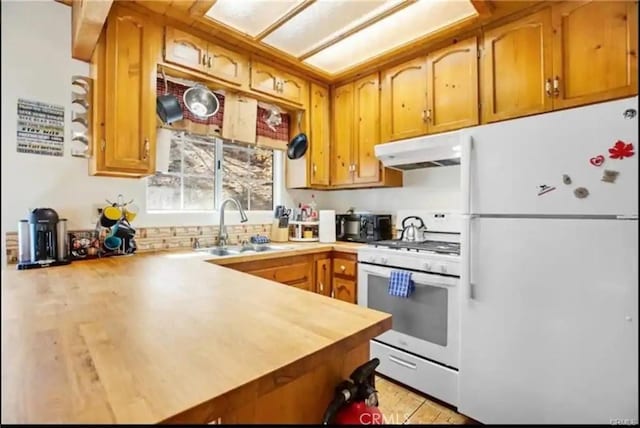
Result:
240,118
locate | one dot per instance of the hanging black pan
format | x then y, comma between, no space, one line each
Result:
167,105
297,147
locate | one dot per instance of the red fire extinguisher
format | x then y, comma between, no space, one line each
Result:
356,401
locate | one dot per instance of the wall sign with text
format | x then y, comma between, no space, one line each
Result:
40,128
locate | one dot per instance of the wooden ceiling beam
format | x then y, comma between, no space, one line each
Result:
357,28
284,18
201,7
87,19
483,7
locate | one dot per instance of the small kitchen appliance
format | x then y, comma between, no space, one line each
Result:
363,227
46,239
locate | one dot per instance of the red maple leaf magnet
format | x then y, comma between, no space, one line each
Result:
621,150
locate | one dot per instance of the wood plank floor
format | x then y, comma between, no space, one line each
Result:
399,405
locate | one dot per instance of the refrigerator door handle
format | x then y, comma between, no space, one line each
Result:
465,172
466,256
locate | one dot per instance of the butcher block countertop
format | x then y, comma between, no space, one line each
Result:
160,337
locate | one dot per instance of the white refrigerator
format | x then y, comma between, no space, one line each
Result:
549,310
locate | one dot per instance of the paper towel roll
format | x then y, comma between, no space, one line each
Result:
327,232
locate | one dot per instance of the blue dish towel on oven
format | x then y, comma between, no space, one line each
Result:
400,284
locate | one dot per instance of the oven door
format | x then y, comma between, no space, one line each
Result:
426,323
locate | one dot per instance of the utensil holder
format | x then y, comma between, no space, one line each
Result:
279,234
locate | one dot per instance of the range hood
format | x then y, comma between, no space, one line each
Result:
421,152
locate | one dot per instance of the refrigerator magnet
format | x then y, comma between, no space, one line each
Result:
629,113
566,179
581,192
609,176
597,160
543,189
621,150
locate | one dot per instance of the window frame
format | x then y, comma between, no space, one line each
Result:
277,179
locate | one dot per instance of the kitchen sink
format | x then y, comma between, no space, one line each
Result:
237,250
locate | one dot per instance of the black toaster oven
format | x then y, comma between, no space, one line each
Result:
363,227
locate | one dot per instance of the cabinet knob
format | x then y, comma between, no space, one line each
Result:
315,168
209,62
343,268
429,114
321,286
204,59
556,86
146,149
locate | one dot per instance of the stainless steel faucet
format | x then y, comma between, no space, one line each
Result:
222,233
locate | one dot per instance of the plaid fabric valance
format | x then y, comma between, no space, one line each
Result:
267,137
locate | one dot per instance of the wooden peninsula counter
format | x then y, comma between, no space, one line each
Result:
170,338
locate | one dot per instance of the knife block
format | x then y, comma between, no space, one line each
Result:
279,234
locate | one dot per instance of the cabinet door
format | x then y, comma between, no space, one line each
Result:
132,43
287,274
342,119
264,79
293,88
367,129
184,49
404,100
452,87
239,120
227,65
595,47
323,277
344,289
271,81
516,67
320,139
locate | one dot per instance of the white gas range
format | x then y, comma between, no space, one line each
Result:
422,349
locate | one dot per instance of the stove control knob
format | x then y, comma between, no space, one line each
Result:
426,266
372,259
383,260
443,268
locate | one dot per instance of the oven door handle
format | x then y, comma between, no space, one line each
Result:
417,278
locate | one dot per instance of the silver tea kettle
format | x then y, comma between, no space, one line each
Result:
411,232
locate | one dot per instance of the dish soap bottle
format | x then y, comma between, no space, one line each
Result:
313,208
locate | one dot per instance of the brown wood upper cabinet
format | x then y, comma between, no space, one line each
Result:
189,51
516,68
404,100
124,114
356,119
452,87
366,167
572,53
271,81
341,146
595,45
320,138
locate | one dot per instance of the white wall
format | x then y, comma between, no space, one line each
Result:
424,189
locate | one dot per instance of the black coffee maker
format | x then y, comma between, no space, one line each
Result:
43,236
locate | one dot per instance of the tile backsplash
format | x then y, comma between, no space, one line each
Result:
174,237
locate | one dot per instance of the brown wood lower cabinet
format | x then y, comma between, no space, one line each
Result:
332,274
345,277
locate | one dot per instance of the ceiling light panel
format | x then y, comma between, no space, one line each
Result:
410,23
322,21
250,16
